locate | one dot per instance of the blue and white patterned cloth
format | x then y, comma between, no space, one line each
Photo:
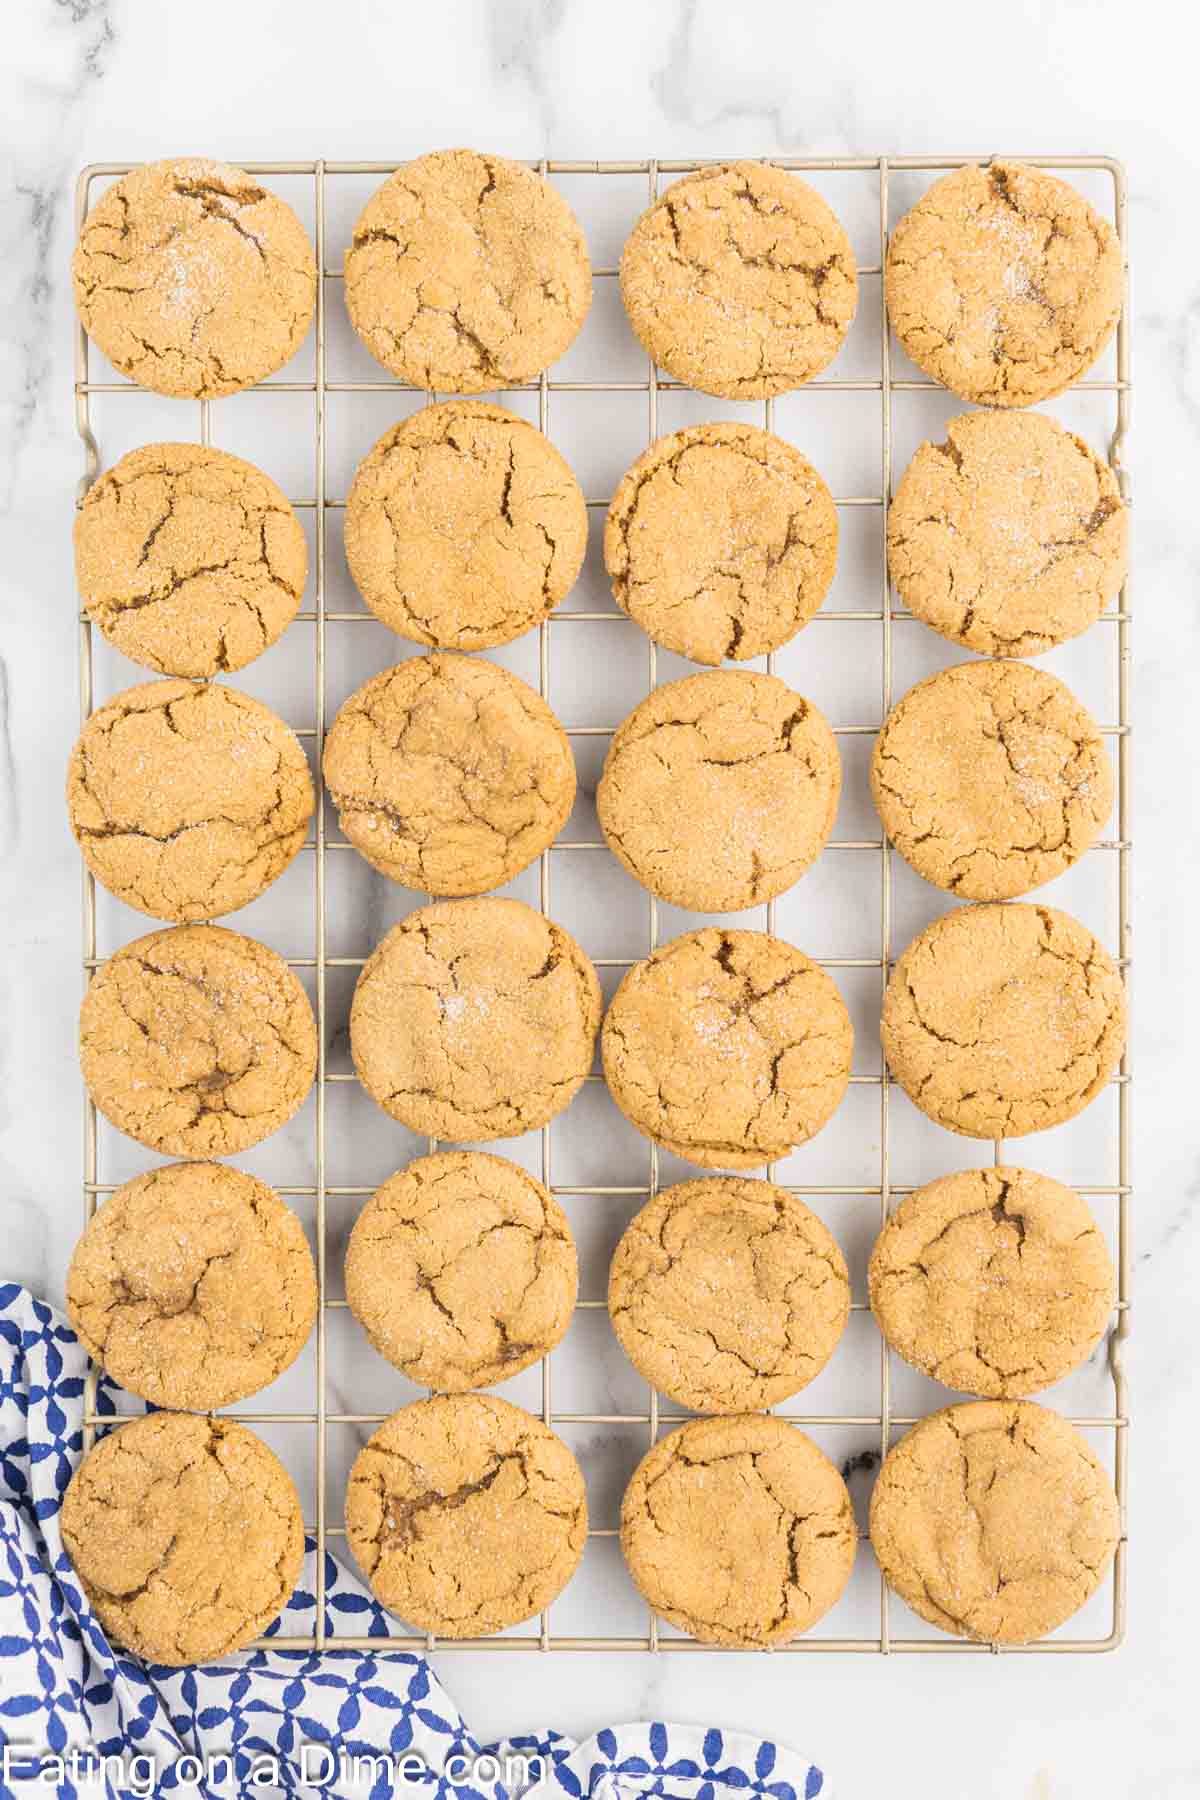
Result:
78,1718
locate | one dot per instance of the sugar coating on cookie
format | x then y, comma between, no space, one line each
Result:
721,542
462,1270
728,1048
464,526
1001,1020
475,1019
728,1295
1003,283
1010,537
197,1041
193,279
189,560
994,1520
186,1534
187,799
193,1286
467,272
449,774
739,1531
993,1281
991,778
720,790
466,1514
740,281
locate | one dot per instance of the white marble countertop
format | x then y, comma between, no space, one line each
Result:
88,80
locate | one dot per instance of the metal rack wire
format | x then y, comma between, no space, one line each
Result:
322,845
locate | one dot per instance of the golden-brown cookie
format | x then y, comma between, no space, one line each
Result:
740,281
728,1295
990,778
720,790
186,1534
189,560
467,272
1009,537
994,1520
449,774
994,1281
193,278
728,1048
466,1514
193,1285
1003,283
721,541
1001,1020
197,1041
462,1270
187,799
475,1019
739,1531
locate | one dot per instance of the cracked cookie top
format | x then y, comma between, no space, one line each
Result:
720,790
740,281
728,1048
466,1514
464,526
721,541
189,560
193,279
467,272
187,799
475,1019
197,1041
739,1531
993,1281
449,774
1010,537
728,1295
990,778
1005,1019
193,1285
994,1520
1004,284
462,1270
187,1536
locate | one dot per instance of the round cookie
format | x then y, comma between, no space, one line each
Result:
990,778
193,279
728,1048
994,1281
193,1286
187,1536
720,790
728,1295
467,272
187,799
994,1520
197,1041
721,541
462,1270
464,526
738,1531
466,1514
189,560
1003,283
449,774
1010,537
475,1019
740,281
1001,1020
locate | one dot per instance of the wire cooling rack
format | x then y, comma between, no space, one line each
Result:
558,631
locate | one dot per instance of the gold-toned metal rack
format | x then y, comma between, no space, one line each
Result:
321,846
